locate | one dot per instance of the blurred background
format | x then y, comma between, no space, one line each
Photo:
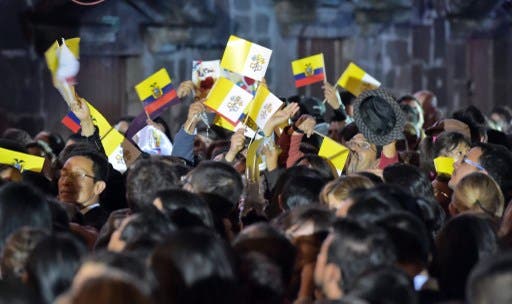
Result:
459,49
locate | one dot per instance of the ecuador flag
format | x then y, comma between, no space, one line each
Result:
308,70
245,58
156,91
21,161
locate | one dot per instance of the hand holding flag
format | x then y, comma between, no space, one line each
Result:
280,117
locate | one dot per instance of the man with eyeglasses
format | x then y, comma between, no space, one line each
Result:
490,159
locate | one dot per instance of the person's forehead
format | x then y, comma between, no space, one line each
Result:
78,162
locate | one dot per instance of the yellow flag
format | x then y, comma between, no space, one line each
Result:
245,58
335,152
99,120
21,161
308,70
111,141
444,165
146,88
264,105
228,100
51,53
356,80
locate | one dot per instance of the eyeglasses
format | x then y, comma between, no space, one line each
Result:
361,144
75,175
472,163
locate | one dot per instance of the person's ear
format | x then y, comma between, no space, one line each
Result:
99,186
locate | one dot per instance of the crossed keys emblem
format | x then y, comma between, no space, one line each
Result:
156,91
257,62
234,104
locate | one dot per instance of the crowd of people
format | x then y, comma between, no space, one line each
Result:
196,227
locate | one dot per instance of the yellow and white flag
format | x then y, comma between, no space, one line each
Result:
335,152
228,100
444,165
21,161
264,105
356,80
245,58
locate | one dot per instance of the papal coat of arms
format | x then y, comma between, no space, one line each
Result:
265,111
235,103
257,62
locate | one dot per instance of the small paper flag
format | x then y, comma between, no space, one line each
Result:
264,105
21,161
246,58
157,91
335,152
444,165
308,70
228,100
356,80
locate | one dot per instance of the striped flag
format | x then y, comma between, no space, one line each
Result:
21,161
308,70
71,122
264,105
157,91
335,152
228,100
356,80
246,58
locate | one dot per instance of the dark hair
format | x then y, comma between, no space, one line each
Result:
21,205
52,265
17,135
194,266
265,239
100,165
218,178
409,236
490,281
448,141
260,279
385,285
475,120
410,178
497,161
356,249
148,226
109,290
17,249
174,200
15,292
167,130
319,163
461,243
300,191
145,178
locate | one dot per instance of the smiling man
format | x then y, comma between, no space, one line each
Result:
82,180
490,159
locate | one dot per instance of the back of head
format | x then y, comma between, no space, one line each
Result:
173,200
109,290
462,242
385,285
341,187
478,191
21,205
497,161
490,281
147,177
409,236
17,249
355,249
194,266
409,177
149,226
217,178
300,191
52,265
17,135
265,239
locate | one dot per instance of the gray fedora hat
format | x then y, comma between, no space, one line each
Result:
379,117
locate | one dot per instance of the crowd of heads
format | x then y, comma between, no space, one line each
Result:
200,226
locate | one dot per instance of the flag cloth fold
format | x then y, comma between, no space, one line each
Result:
21,161
308,70
356,80
156,91
264,105
245,58
335,152
228,100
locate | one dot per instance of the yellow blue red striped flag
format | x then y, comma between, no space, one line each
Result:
308,70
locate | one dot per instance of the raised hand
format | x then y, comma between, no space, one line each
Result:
331,95
237,144
280,117
82,112
185,88
193,116
306,123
